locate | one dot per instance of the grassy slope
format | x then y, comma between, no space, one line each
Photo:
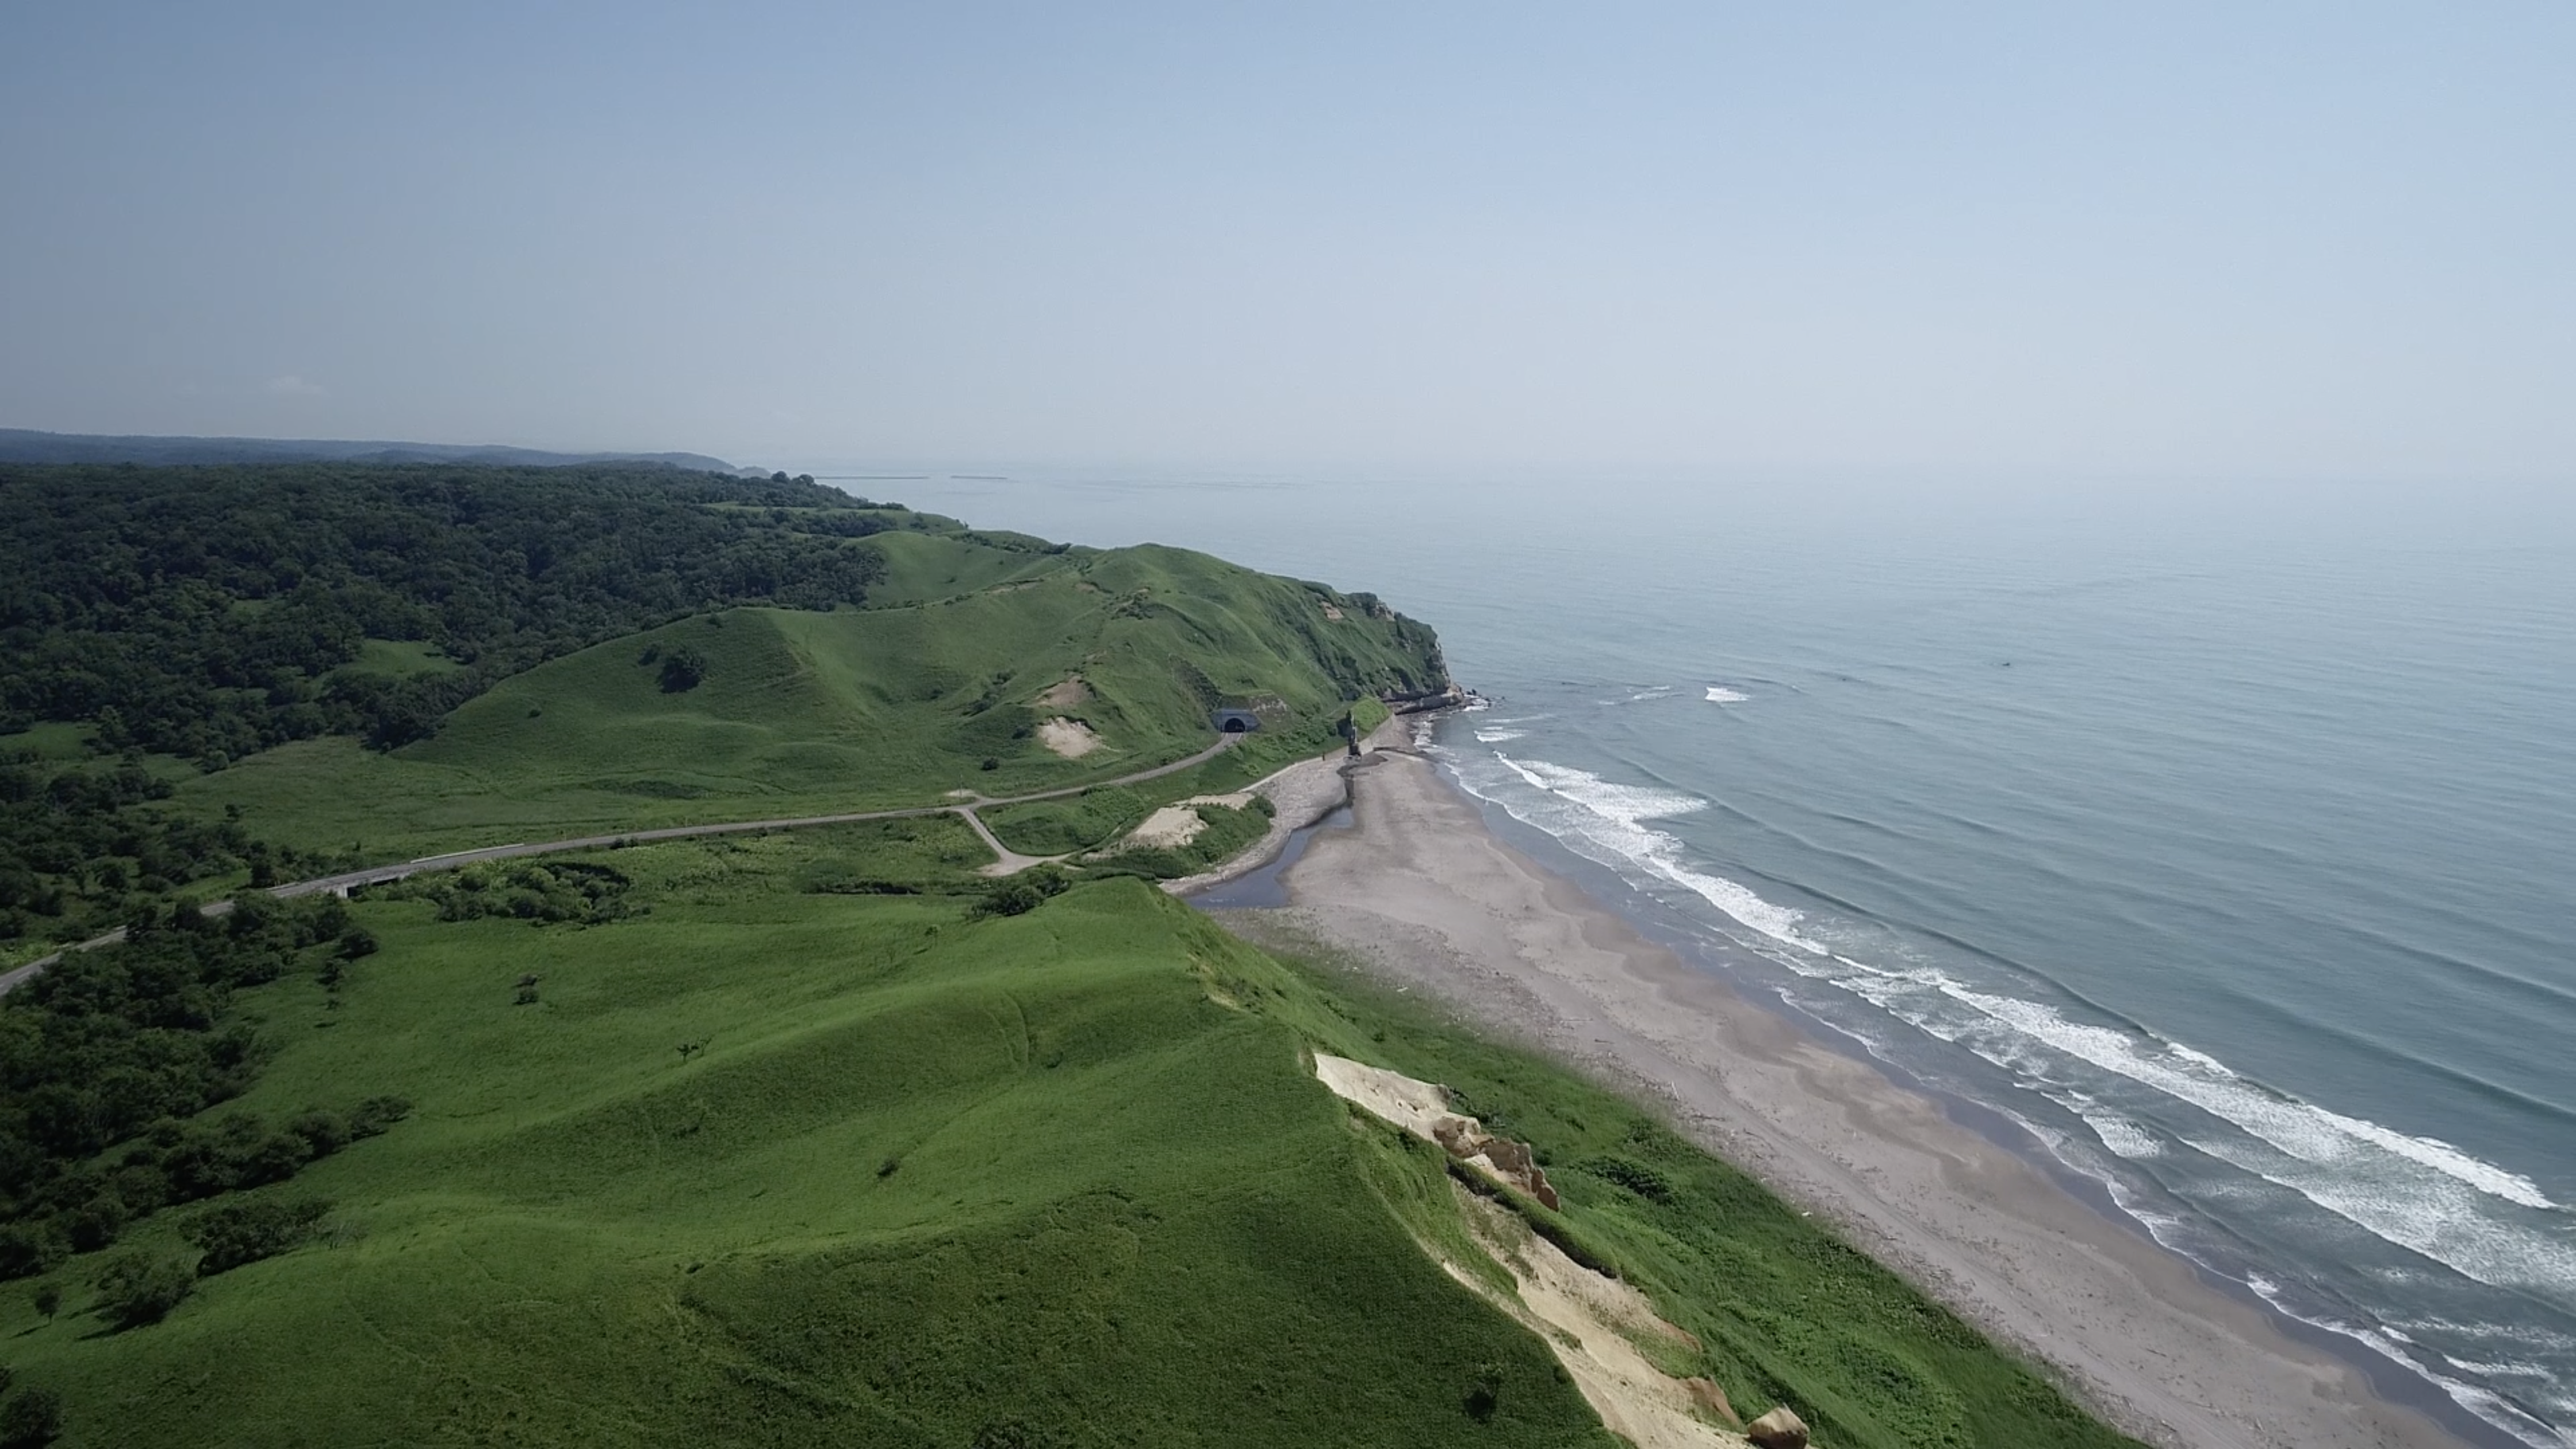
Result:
1785,1311
814,713
1114,1202
930,1175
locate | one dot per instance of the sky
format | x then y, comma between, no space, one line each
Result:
2310,241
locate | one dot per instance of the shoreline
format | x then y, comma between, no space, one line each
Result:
1301,794
1426,895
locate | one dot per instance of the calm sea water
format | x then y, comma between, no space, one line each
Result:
2221,837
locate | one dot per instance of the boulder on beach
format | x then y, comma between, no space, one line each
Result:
1779,1429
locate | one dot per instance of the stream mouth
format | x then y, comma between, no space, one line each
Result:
1268,887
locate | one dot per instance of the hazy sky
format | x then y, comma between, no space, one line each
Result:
2308,240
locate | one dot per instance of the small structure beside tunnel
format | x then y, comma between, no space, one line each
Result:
1235,721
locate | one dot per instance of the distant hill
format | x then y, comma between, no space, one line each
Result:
27,445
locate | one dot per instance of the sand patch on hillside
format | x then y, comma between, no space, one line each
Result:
1415,1106
1070,738
1169,828
1593,1324
1177,825
1066,695
1561,1300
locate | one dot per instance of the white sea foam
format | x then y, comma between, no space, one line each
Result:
2306,1132
2444,1158
1720,694
2419,1193
2415,1191
2167,1229
2487,1404
2508,1370
1659,691
1609,816
2121,1135
1496,737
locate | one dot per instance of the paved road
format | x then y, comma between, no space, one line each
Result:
378,874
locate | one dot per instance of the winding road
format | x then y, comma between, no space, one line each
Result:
1007,862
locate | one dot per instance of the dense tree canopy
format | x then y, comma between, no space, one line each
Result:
82,846
214,612
109,1058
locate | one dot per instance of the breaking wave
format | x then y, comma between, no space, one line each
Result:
2143,1099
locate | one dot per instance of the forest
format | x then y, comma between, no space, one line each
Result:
213,612
124,1047
208,613
83,846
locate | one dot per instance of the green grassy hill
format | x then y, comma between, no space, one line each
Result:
800,1138
926,1179
800,712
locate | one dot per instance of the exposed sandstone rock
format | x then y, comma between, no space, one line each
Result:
1707,1395
1466,1139
1779,1429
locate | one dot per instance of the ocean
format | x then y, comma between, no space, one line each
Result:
2221,837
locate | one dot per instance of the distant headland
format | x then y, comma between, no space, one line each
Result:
28,445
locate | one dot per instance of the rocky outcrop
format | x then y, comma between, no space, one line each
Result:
1466,1139
1422,702
1423,1109
1779,1429
1708,1397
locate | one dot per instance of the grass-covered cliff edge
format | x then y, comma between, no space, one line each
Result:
794,1138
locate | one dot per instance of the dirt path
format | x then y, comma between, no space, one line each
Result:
1006,861
341,884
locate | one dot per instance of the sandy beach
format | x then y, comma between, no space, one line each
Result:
1423,893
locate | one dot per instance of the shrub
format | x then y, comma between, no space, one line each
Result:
1484,1392
682,669
137,1288
94,1224
234,1233
31,1420
375,1114
1631,1174
26,1249
323,1132
538,892
1017,895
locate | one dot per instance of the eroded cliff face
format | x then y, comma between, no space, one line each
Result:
1600,1329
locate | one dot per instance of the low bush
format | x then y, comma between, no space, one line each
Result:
31,1420
548,893
234,1233
1017,895
1631,1174
138,1288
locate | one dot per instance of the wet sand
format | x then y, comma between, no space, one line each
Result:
1424,894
